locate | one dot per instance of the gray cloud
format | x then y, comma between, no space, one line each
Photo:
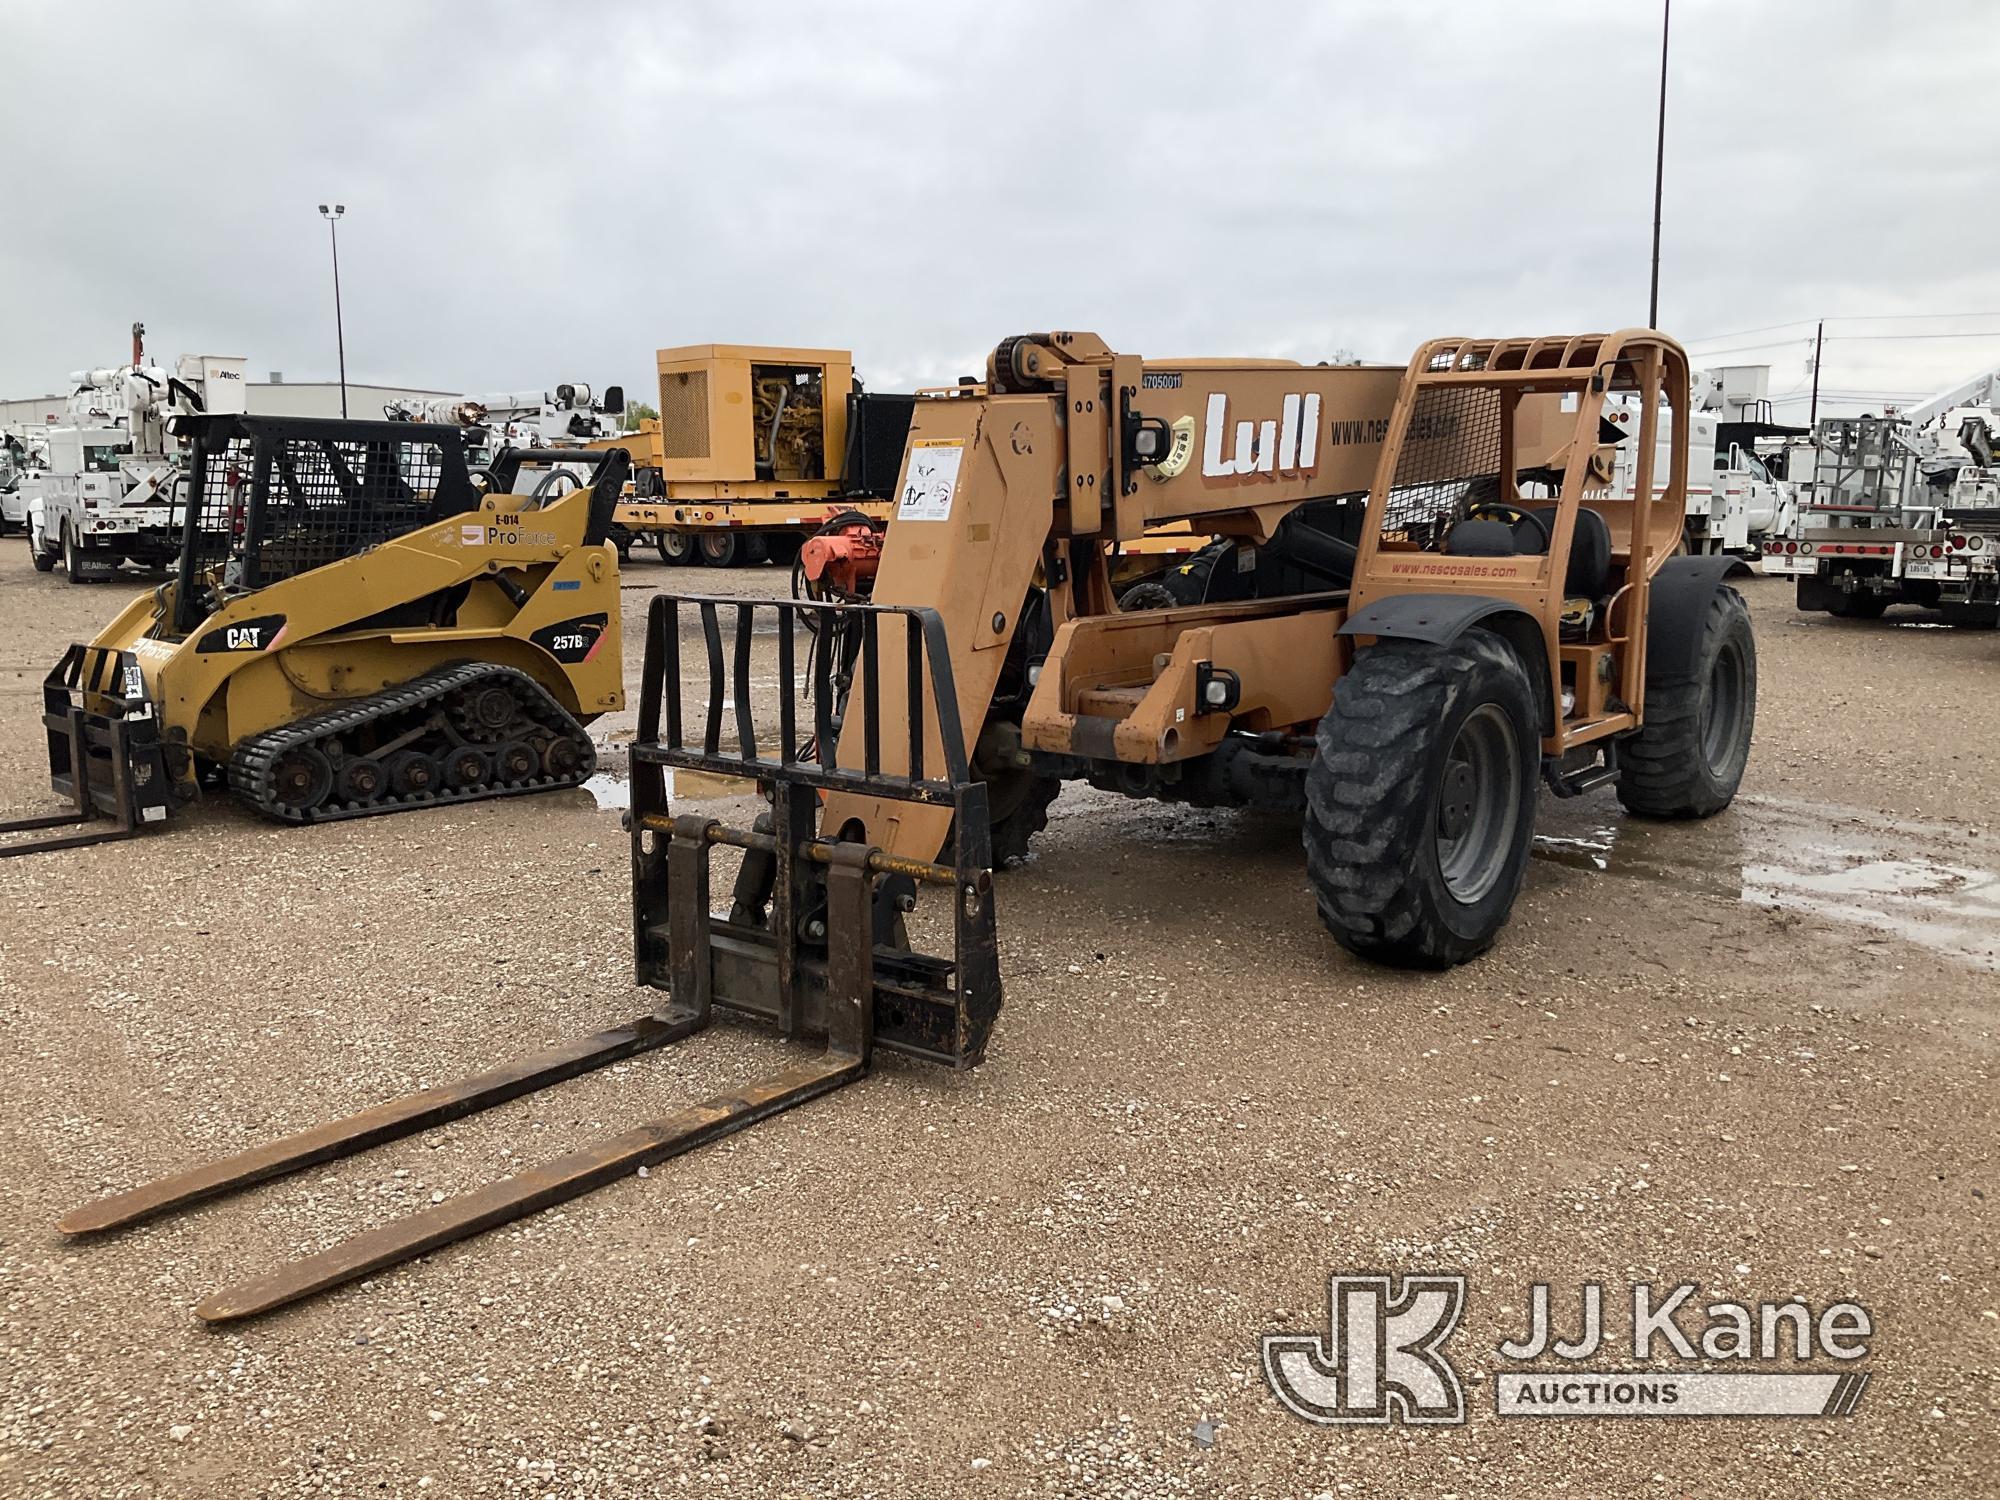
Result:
544,192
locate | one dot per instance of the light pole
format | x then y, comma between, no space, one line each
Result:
332,217
1659,165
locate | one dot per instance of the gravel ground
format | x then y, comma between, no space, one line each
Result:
1756,1054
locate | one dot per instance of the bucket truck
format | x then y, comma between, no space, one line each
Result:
109,490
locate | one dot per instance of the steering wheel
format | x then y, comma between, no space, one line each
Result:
1510,514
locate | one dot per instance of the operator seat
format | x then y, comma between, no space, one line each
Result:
1589,573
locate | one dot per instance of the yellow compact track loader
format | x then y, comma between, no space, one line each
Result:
1435,604
354,626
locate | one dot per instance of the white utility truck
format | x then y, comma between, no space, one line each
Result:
110,491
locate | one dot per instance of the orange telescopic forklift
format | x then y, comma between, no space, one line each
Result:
1426,603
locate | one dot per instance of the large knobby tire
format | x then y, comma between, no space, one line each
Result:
1687,758
1420,802
1019,807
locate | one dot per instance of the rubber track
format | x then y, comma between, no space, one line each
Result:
252,763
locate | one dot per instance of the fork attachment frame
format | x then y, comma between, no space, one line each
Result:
825,976
104,752
779,963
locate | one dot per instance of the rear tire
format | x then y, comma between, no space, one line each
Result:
1859,605
1421,800
676,547
72,557
1687,758
719,548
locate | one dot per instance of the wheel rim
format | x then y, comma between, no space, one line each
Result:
1479,803
674,546
360,781
1722,709
718,549
468,768
414,773
302,779
515,762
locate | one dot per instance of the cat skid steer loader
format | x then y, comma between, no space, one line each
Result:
1435,606
355,626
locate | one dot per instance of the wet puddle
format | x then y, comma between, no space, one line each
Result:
612,791
1836,864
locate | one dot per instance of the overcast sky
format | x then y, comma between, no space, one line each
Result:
540,192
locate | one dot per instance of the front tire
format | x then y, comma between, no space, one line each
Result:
676,547
1420,802
1687,757
1019,810
40,553
719,548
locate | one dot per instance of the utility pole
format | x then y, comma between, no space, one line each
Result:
341,335
1659,166
1819,343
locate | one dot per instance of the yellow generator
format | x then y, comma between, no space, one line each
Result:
355,626
756,449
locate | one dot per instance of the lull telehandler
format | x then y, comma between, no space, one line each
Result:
355,626
1433,606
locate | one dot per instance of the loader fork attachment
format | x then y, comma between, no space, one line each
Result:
104,752
812,965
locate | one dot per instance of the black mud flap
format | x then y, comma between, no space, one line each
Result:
105,753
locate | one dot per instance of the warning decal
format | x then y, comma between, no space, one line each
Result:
931,479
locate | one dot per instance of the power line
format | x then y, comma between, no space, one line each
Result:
1750,348
1844,338
1843,318
1762,328
1849,338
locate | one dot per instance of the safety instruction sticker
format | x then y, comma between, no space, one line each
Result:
931,480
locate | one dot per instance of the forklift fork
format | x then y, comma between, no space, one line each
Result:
104,752
823,977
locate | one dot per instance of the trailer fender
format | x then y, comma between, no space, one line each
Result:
1681,591
1440,619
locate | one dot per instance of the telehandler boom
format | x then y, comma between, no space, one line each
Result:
1434,606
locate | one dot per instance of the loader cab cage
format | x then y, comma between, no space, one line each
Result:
269,498
1495,435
